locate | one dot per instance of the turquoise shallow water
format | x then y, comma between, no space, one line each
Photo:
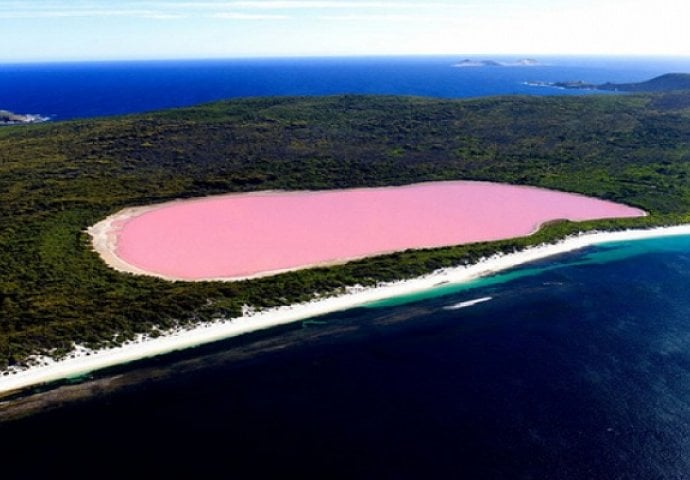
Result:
578,367
602,253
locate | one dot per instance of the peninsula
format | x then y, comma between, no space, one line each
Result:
663,83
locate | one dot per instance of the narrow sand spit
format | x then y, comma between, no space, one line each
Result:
85,361
240,236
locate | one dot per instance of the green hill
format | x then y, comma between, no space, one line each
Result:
669,82
58,178
664,83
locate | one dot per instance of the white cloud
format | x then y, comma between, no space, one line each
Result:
320,5
393,17
247,16
71,13
367,26
301,5
165,16
230,9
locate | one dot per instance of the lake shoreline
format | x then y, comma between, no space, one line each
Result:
178,245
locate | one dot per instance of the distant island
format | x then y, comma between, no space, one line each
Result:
523,62
10,118
663,83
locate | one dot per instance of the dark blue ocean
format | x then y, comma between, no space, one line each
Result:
65,91
578,367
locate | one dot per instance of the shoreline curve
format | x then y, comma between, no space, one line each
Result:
86,361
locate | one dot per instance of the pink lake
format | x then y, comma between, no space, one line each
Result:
244,235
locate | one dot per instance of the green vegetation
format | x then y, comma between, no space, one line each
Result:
668,82
663,83
57,179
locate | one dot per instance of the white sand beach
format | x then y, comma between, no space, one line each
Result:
84,361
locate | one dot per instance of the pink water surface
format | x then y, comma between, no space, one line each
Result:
248,234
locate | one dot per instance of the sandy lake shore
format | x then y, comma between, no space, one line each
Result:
239,236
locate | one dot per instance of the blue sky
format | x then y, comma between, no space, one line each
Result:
40,30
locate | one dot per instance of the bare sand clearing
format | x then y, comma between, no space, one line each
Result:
247,235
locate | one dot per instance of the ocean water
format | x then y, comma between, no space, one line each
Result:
66,91
577,367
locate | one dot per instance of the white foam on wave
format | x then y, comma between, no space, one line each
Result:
467,303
